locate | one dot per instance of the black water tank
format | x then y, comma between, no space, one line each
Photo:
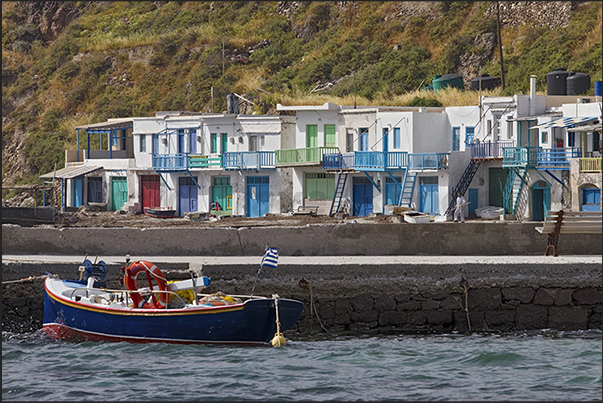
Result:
555,82
488,82
577,84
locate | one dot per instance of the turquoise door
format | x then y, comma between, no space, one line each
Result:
78,191
119,192
591,199
393,190
541,200
428,195
258,196
472,199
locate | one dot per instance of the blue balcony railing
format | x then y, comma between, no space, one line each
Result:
490,149
521,157
170,162
248,160
428,161
338,161
557,158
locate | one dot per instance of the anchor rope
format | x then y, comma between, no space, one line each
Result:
30,278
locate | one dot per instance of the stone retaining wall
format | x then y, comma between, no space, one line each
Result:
377,298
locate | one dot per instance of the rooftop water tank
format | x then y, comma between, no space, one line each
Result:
555,82
598,88
487,82
448,80
577,84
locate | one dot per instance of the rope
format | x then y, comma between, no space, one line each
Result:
30,278
306,284
464,285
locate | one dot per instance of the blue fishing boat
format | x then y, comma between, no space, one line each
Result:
170,312
160,212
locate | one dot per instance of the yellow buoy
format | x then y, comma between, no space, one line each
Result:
278,340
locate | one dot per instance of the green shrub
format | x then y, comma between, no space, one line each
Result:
425,102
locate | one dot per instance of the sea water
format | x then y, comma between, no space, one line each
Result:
541,365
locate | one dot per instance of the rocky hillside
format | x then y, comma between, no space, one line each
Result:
66,64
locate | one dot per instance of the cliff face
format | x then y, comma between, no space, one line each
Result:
49,86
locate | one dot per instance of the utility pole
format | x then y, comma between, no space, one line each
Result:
223,62
500,50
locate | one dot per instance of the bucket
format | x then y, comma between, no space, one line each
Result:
598,88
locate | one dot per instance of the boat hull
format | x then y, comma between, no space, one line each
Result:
250,323
159,213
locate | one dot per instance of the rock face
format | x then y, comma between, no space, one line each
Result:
51,16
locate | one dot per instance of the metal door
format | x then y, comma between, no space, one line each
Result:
363,197
257,196
119,192
187,195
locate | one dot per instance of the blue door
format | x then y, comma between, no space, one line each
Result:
363,197
472,199
258,196
187,192
591,199
469,135
364,139
78,191
181,137
393,190
428,195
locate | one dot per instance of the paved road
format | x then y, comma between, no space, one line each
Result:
317,260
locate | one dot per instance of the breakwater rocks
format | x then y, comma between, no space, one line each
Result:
419,295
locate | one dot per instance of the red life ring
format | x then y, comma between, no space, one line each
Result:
151,270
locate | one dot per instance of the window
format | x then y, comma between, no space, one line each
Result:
509,127
571,139
469,135
456,138
330,137
349,140
544,137
253,143
214,143
143,143
496,128
224,138
311,136
396,137
385,139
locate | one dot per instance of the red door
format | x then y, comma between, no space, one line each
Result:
150,191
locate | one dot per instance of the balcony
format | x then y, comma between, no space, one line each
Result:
520,157
205,161
248,160
338,161
302,156
590,165
490,149
556,159
170,162
428,161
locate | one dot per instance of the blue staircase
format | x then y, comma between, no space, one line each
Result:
513,186
463,183
336,203
408,187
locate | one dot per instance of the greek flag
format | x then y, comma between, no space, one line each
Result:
270,257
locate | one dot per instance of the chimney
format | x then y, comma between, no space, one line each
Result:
532,95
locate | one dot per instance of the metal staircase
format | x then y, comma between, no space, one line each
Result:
336,203
463,183
408,186
513,187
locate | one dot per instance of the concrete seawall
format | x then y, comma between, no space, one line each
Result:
434,239
367,294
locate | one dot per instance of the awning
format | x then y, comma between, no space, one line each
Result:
588,128
71,172
108,125
535,117
564,122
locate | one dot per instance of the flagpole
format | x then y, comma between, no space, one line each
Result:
270,259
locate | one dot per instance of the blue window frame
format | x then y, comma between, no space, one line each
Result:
364,139
385,139
192,141
456,138
469,135
396,137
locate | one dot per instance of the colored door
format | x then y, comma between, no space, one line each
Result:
393,190
472,199
181,141
469,135
221,192
187,195
78,191
428,195
311,136
541,200
364,139
257,196
95,190
119,192
363,197
150,191
591,199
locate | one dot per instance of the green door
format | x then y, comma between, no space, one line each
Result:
497,179
311,136
221,193
119,192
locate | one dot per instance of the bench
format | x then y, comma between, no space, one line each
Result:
307,210
568,222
